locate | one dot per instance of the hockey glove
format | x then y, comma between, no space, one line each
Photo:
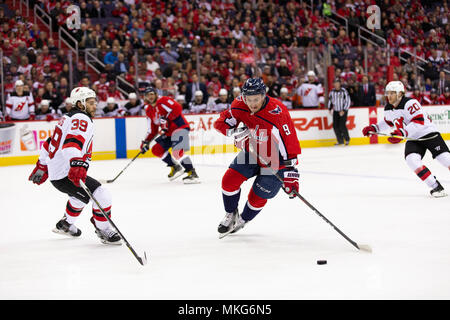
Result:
366,130
398,132
241,138
145,145
39,174
290,182
78,170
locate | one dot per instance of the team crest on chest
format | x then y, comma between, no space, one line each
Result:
277,110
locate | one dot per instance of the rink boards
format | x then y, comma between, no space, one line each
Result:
115,138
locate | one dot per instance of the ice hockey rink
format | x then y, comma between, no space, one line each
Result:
367,191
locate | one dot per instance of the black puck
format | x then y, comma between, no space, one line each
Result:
321,261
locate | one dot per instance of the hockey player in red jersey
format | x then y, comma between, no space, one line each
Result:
65,159
165,117
407,118
268,132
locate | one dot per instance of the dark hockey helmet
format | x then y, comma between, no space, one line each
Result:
253,86
150,89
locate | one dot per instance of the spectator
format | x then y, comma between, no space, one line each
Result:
366,93
97,11
53,95
134,106
432,98
441,83
101,87
112,56
197,106
113,92
445,97
151,64
193,87
121,66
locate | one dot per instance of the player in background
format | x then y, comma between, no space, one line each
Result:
65,157
164,116
310,92
19,104
269,129
407,118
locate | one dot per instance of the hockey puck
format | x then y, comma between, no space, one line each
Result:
321,261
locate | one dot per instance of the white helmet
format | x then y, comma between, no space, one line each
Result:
81,94
311,73
132,95
396,86
110,100
223,92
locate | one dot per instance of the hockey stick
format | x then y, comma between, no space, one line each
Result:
363,247
142,261
135,157
402,137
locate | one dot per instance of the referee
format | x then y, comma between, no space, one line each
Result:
339,102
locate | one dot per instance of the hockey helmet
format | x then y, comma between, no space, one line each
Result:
81,94
253,86
149,90
396,86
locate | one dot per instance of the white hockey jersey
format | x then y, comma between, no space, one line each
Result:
20,107
218,106
409,116
197,108
72,138
310,93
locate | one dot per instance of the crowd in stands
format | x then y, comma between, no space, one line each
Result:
200,52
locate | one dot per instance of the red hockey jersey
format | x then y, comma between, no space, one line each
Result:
166,115
271,127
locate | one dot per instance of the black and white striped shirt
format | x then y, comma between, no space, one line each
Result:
339,100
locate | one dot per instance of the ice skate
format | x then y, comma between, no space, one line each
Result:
439,191
191,177
175,172
67,229
108,236
232,223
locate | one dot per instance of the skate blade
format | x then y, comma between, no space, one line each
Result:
176,175
192,181
117,243
439,194
67,234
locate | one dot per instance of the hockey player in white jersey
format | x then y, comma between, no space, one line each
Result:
65,157
20,104
407,118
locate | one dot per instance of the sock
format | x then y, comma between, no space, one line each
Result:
187,163
425,175
253,206
231,200
168,159
72,212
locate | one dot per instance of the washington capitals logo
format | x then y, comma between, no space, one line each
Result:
277,110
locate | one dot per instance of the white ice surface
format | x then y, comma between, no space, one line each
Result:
366,191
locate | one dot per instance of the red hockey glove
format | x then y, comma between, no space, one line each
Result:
78,170
39,174
367,129
398,132
290,182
